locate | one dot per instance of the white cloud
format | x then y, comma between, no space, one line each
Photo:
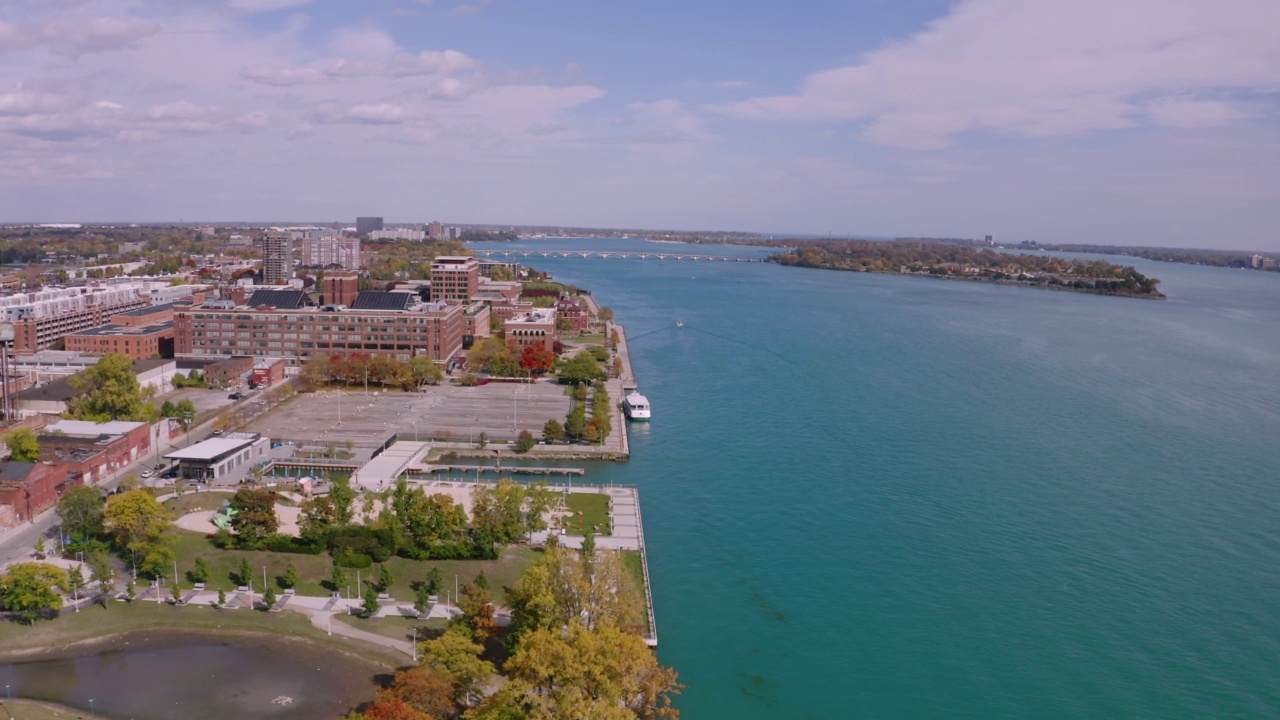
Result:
260,6
362,42
282,77
378,113
432,62
1045,69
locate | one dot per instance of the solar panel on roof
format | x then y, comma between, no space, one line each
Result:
277,298
382,300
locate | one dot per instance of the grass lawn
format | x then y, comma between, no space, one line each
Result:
196,501
594,509
314,571
635,567
119,617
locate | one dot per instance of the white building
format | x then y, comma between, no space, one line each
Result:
402,234
331,250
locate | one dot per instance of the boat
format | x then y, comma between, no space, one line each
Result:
635,406
679,323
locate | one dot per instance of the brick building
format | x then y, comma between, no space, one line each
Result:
42,318
398,324
28,489
574,312
537,327
340,287
118,443
454,278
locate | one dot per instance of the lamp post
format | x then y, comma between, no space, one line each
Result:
91,711
7,334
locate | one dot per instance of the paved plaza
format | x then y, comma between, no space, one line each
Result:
444,412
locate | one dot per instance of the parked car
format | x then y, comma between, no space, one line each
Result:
235,396
147,473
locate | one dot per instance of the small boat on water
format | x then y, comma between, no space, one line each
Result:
679,323
635,406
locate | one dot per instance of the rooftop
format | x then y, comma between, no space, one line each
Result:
284,299
145,311
85,428
14,472
214,448
123,330
383,300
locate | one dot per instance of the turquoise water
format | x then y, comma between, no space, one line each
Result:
885,497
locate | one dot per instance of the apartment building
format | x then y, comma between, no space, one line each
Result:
277,257
398,324
327,250
42,318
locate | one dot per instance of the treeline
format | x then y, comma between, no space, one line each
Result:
398,259
1188,256
963,262
360,369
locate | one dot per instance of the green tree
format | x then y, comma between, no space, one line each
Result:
30,589
337,578
290,576
421,598
525,441
371,606
81,510
40,546
343,497
222,597
269,597
317,519
176,592
581,368
385,578
424,371
501,273
605,314
24,445
576,423
75,581
481,581
243,573
435,580
110,391
201,572
552,431
102,576
255,518
131,590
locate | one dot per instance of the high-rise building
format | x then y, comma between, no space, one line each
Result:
435,230
990,240
454,278
277,257
331,250
366,225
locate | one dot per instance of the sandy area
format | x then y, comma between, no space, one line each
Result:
202,521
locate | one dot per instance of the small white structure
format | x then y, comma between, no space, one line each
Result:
218,457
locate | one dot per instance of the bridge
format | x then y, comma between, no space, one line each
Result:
623,254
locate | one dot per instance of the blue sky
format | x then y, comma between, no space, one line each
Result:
1109,121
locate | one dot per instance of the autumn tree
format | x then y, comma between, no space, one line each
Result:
255,517
477,611
343,497
537,359
589,673
316,519
23,444
423,688
458,658
425,371
552,430
605,314
392,709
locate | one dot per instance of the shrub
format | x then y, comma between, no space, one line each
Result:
525,442
355,561
598,353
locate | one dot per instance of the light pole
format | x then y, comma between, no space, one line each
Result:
7,334
91,712
415,643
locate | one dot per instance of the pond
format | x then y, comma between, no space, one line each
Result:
178,676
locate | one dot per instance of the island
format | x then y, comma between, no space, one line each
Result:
977,264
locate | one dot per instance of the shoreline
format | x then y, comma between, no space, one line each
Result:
992,281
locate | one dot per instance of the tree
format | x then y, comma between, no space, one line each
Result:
385,578
576,423
537,359
458,657
244,574
424,371
75,581
425,689
435,579
566,585
343,497
102,576
30,589
482,440
176,592
110,391
591,673
269,597
201,572
501,273
317,519
552,431
498,511
24,445
421,599
81,511
393,710
477,611
525,441
481,581
581,368
131,590
138,523
290,576
337,579
222,597
605,314
371,605
40,547
255,518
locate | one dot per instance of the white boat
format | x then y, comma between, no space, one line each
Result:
635,406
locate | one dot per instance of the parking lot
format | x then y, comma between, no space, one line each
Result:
203,399
500,410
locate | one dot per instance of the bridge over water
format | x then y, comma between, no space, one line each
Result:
622,254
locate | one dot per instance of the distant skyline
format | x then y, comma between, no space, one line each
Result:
1125,122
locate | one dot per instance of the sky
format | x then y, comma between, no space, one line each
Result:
1143,122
